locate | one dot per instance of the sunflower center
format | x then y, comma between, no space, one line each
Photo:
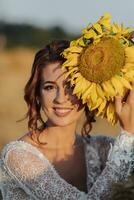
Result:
96,58
100,62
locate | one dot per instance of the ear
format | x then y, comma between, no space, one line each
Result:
38,100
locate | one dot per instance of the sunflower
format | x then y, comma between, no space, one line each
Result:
100,64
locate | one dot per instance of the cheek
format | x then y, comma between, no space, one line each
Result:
47,99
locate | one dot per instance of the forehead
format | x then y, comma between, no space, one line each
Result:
53,72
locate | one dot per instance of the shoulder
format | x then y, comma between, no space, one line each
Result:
22,159
19,148
23,143
19,152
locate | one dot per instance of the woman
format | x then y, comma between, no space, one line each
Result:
52,161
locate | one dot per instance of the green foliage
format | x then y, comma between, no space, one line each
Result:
25,35
124,190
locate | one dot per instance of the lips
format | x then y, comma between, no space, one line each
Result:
61,112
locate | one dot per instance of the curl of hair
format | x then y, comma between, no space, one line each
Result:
51,53
90,118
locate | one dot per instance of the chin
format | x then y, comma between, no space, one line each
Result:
61,122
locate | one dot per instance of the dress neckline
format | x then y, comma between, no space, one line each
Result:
42,156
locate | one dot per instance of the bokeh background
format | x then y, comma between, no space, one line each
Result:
25,27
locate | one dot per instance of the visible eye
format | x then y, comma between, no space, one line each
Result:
49,87
69,88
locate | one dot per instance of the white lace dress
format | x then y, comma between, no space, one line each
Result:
26,174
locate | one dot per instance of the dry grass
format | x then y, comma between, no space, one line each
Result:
15,68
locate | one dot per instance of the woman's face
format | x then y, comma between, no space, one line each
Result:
60,106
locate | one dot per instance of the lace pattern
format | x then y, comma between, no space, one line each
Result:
25,173
35,174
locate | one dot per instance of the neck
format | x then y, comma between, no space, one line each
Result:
60,137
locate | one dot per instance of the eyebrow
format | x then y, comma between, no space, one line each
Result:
52,82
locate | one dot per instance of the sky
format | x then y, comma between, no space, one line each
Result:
73,15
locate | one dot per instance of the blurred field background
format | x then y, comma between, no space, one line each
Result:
25,27
15,65
16,57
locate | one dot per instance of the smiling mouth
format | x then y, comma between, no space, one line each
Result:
62,112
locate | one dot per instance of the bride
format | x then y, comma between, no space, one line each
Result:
52,161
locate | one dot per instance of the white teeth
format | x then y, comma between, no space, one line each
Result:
62,110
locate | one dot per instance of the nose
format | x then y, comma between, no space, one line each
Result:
61,96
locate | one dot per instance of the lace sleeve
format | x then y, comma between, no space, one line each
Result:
35,175
119,165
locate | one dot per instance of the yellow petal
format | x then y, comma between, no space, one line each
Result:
85,30
93,93
74,49
117,85
115,28
126,44
100,91
111,116
107,86
127,30
90,34
85,85
105,89
89,104
97,27
80,86
81,42
72,60
129,53
112,91
110,112
125,83
96,104
77,76
101,107
71,71
73,43
105,20
77,88
129,75
102,114
86,93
